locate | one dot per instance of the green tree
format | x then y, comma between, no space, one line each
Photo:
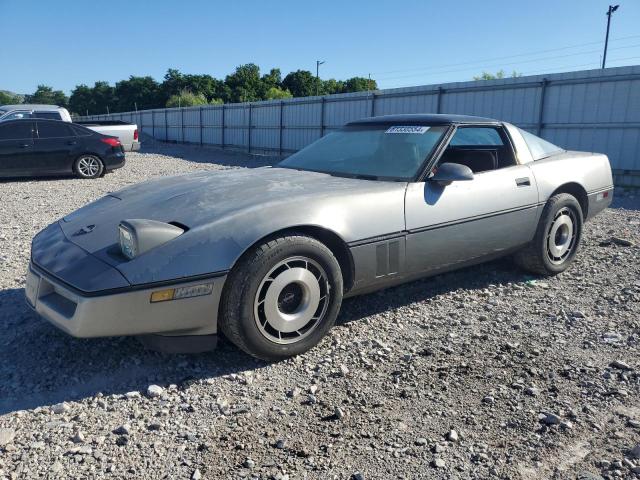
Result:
172,84
275,93
176,82
331,86
301,83
271,80
496,76
245,84
144,92
211,88
9,98
81,101
186,99
359,84
104,98
47,95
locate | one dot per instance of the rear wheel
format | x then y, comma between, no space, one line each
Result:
88,166
557,238
282,297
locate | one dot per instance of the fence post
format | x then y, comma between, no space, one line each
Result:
543,90
249,135
439,100
372,113
153,124
200,124
222,126
322,117
182,124
281,128
166,126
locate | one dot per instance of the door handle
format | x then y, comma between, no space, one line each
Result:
71,142
523,182
24,145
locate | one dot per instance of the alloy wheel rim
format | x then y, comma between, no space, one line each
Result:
561,236
291,300
89,166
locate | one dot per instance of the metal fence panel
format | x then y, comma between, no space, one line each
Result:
419,103
592,110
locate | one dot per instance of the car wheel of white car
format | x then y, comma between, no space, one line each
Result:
88,166
282,297
557,238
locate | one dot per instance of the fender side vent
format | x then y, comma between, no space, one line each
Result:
387,258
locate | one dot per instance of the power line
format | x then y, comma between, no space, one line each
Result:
467,68
597,65
565,68
503,58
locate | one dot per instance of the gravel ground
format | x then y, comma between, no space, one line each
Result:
482,373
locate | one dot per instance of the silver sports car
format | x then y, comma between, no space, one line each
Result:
266,256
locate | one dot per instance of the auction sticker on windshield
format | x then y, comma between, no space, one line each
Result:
418,130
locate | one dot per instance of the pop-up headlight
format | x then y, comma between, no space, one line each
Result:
138,235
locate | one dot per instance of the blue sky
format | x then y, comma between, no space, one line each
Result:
63,43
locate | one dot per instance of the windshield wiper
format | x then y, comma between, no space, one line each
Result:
364,176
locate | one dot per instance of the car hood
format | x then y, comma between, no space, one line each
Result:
197,200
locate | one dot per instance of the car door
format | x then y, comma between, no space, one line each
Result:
467,221
55,146
16,147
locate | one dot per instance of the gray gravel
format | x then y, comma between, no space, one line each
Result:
482,373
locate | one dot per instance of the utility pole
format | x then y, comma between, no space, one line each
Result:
612,8
107,109
318,63
369,84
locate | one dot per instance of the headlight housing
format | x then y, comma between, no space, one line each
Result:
138,235
127,245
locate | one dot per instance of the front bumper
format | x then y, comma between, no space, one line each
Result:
123,313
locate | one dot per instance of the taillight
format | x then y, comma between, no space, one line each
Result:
135,134
114,142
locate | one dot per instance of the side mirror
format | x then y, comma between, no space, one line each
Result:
451,172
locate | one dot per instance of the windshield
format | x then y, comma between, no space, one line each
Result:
382,152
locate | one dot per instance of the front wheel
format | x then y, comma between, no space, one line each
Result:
557,238
88,166
282,297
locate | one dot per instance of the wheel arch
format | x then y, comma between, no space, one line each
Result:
77,156
329,238
576,190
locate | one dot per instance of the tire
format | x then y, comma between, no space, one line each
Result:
88,166
557,237
272,308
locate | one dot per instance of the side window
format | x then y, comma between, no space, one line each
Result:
476,136
80,131
17,115
16,131
480,148
47,115
53,130
539,148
